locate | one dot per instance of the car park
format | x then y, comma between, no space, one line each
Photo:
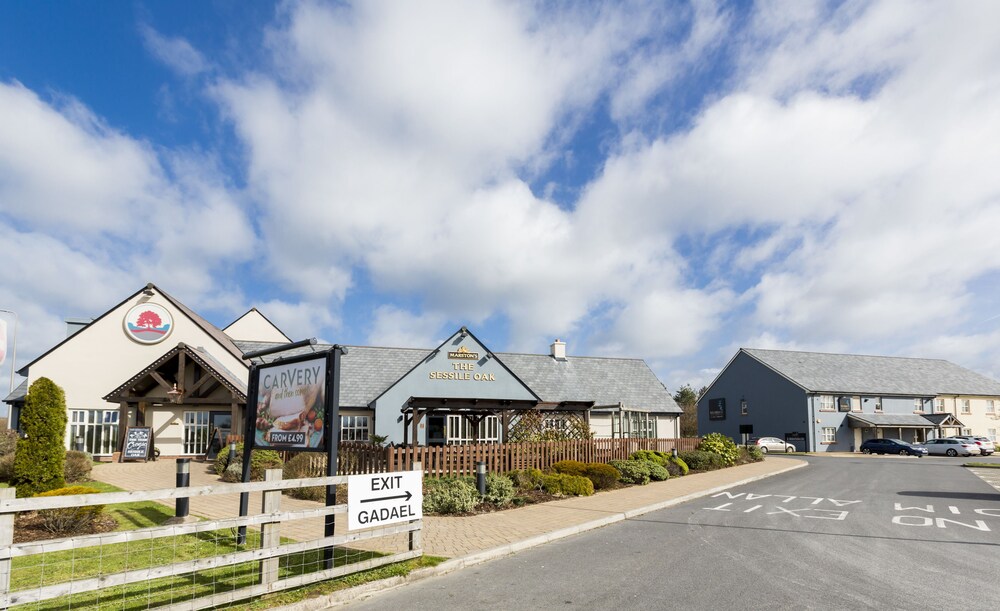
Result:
951,446
772,444
893,446
986,445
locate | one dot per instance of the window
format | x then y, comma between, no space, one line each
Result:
966,407
992,434
939,405
966,431
918,405
990,407
195,432
744,409
460,431
98,429
354,428
829,434
643,425
878,405
826,403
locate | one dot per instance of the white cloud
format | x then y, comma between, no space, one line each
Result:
176,53
402,329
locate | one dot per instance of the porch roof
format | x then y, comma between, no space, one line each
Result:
906,421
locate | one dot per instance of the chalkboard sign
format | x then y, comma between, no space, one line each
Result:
138,440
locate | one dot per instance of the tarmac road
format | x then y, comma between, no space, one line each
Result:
842,533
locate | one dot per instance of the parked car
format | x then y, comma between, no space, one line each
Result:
986,445
952,446
772,444
893,446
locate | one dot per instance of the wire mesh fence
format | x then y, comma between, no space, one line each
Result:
223,562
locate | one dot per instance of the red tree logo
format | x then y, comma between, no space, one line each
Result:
148,319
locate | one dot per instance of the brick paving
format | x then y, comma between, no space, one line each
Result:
456,536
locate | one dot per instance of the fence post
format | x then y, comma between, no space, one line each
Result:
6,538
416,539
270,532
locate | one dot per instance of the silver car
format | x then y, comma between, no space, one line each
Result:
772,444
986,445
951,446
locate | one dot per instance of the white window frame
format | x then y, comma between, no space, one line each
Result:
355,428
91,424
918,405
827,403
966,406
938,405
458,431
990,406
196,432
992,434
829,434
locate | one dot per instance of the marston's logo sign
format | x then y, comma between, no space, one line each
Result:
148,323
463,354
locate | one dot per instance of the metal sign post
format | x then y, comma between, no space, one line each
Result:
332,436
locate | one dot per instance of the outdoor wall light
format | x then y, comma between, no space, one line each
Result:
175,394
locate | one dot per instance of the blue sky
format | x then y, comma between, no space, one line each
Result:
668,181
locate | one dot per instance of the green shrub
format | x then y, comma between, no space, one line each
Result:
8,442
260,461
750,454
677,466
601,475
78,466
721,445
41,454
526,479
6,467
568,485
444,495
657,472
301,466
703,461
499,490
70,520
659,458
233,473
569,467
633,471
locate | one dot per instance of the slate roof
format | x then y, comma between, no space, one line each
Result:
883,420
368,371
875,375
19,393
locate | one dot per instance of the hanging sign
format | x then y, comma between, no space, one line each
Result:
291,405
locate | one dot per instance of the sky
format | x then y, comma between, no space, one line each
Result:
663,180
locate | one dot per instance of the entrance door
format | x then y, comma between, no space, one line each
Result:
436,435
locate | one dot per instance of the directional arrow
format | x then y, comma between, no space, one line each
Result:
406,496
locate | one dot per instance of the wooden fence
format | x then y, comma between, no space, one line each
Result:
358,458
263,559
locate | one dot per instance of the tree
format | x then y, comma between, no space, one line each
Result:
687,399
148,319
41,454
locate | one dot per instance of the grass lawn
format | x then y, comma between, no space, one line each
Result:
56,567
983,465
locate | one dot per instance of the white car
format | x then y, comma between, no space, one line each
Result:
951,446
772,444
986,445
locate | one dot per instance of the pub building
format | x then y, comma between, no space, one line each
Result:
151,361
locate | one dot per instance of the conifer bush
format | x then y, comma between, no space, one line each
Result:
603,476
703,461
41,453
444,495
567,485
677,466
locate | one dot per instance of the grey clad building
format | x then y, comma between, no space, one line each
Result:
833,402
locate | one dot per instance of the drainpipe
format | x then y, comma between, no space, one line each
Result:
811,431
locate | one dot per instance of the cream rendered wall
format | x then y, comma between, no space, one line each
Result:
101,357
600,425
168,429
980,421
252,326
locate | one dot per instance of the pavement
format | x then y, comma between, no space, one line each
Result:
464,540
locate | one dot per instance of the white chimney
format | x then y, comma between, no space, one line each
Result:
558,350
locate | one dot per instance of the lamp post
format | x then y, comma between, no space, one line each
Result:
13,355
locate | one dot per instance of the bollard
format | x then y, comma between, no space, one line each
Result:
481,478
673,452
232,454
182,504
79,443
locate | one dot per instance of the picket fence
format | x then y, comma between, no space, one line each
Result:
359,458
